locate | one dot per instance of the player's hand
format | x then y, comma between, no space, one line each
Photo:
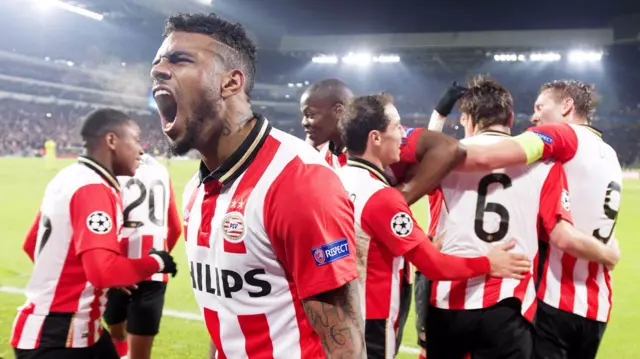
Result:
508,265
451,95
127,290
614,254
437,242
169,266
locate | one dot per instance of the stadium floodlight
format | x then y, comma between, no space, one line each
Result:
290,84
387,59
505,57
71,8
324,59
359,59
545,57
585,56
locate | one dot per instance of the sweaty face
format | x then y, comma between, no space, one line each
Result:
186,75
319,119
547,109
391,139
127,150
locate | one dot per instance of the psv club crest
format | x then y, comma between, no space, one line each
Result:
233,227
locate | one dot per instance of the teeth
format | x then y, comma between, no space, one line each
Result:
161,93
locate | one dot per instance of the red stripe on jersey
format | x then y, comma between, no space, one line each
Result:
71,284
378,281
187,212
20,323
124,246
435,207
243,191
342,159
208,208
592,290
492,286
94,316
457,294
212,322
146,244
567,288
434,293
607,279
257,340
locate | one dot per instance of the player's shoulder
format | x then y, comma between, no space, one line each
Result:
483,139
70,179
359,181
295,148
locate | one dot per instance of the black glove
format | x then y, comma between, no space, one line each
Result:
452,94
169,265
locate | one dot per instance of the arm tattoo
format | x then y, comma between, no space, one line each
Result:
338,320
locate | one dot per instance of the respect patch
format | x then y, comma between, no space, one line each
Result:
331,252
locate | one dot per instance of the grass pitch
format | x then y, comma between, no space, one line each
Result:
22,183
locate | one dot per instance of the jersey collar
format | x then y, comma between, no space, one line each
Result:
494,133
373,169
240,160
336,150
100,170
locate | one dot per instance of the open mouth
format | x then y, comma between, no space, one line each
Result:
167,106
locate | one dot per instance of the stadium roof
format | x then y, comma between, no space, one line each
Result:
541,39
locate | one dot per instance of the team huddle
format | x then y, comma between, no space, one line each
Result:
306,249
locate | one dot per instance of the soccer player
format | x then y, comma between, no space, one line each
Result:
386,233
268,225
491,317
151,220
74,245
575,294
321,105
432,153
50,153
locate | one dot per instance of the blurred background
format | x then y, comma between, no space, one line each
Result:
60,59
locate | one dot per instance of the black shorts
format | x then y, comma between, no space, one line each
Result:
497,332
564,335
405,307
142,309
102,349
422,290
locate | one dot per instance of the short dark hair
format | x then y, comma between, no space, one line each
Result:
585,99
231,34
100,122
362,115
487,102
334,90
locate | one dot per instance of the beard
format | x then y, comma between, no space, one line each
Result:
194,127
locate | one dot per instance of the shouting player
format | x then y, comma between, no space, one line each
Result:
575,294
74,245
486,316
386,233
151,220
268,225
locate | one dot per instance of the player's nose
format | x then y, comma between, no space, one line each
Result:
160,71
535,119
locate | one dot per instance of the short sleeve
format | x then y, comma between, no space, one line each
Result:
309,220
555,203
94,218
408,153
387,218
559,141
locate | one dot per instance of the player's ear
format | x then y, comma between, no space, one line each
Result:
510,122
375,137
111,140
231,83
567,106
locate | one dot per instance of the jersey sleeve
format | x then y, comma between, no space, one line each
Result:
549,142
555,203
93,219
408,154
386,217
174,226
309,220
31,239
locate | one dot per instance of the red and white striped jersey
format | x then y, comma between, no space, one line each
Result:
595,178
267,229
379,246
486,209
335,157
81,210
151,217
